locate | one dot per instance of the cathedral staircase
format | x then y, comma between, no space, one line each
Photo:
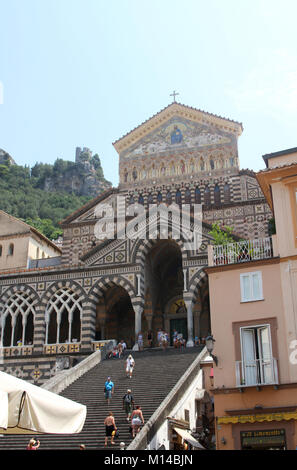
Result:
156,372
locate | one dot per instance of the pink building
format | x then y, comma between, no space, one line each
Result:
253,307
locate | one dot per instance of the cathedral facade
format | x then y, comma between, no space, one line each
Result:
118,286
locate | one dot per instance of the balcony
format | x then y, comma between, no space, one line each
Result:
240,252
256,373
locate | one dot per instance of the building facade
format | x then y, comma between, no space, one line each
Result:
253,307
116,287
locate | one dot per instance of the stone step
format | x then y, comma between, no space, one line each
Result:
156,372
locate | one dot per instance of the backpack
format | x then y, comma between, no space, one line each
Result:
128,398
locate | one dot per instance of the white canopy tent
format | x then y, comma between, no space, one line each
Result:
25,407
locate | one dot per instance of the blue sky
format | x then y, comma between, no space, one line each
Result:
85,72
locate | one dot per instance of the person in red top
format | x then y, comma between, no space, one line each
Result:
33,445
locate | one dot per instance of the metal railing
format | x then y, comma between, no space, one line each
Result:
243,251
256,372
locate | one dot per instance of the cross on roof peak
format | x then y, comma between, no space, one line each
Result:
174,94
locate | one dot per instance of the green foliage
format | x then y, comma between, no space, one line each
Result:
221,236
46,227
22,195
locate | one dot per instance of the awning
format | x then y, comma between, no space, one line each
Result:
186,436
24,406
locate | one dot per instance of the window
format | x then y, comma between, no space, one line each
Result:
212,165
0,250
197,196
178,197
207,196
293,193
217,195
150,198
188,196
131,200
168,198
227,197
251,286
257,364
11,249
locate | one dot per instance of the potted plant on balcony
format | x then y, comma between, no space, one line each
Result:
221,236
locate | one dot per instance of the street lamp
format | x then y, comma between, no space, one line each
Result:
209,343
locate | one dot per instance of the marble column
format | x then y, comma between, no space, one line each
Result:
189,305
138,309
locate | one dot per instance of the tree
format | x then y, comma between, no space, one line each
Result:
221,236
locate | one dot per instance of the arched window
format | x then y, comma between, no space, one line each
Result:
168,198
131,200
159,197
11,249
197,196
212,164
227,195
18,320
150,198
202,165
178,197
63,317
231,161
37,253
141,199
217,195
207,199
0,250
188,196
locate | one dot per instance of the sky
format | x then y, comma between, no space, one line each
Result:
82,73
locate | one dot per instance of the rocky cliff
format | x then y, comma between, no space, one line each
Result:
84,177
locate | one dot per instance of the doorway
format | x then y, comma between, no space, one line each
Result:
180,325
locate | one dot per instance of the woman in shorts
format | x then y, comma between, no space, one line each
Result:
136,420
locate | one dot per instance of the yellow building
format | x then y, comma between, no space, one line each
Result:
20,244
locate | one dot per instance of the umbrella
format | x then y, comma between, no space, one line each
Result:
26,407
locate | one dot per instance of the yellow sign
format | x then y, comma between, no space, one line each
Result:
258,418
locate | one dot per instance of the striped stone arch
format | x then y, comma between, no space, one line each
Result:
24,289
40,336
19,303
106,282
61,285
200,278
142,247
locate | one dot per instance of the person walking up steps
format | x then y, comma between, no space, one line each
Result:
140,341
136,420
128,404
108,389
130,363
110,426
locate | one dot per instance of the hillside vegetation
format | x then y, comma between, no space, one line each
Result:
46,194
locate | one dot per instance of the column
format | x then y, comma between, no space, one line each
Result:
138,309
189,305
